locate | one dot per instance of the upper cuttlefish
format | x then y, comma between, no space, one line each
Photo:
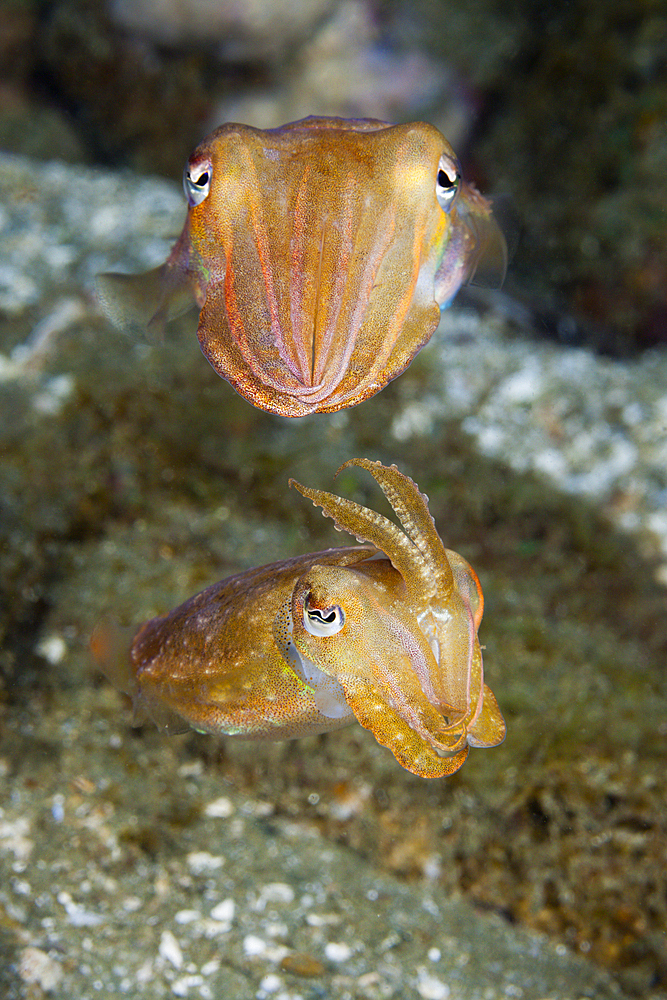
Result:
319,254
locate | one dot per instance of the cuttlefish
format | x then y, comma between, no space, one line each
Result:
319,255
384,632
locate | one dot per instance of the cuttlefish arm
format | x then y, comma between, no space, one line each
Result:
408,658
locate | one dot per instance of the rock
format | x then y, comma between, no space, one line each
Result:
248,30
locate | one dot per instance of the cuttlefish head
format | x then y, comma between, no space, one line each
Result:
399,635
320,254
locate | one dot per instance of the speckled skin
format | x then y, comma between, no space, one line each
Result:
404,660
320,257
212,663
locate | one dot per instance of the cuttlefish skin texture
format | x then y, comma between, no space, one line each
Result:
319,254
384,632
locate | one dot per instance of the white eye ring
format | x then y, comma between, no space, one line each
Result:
447,182
323,622
197,182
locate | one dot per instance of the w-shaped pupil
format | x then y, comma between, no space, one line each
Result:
327,619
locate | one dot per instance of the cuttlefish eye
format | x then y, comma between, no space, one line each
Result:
197,182
323,621
447,182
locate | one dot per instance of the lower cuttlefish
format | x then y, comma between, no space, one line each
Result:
384,632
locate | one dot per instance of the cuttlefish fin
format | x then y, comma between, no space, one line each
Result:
111,645
145,301
487,265
487,250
